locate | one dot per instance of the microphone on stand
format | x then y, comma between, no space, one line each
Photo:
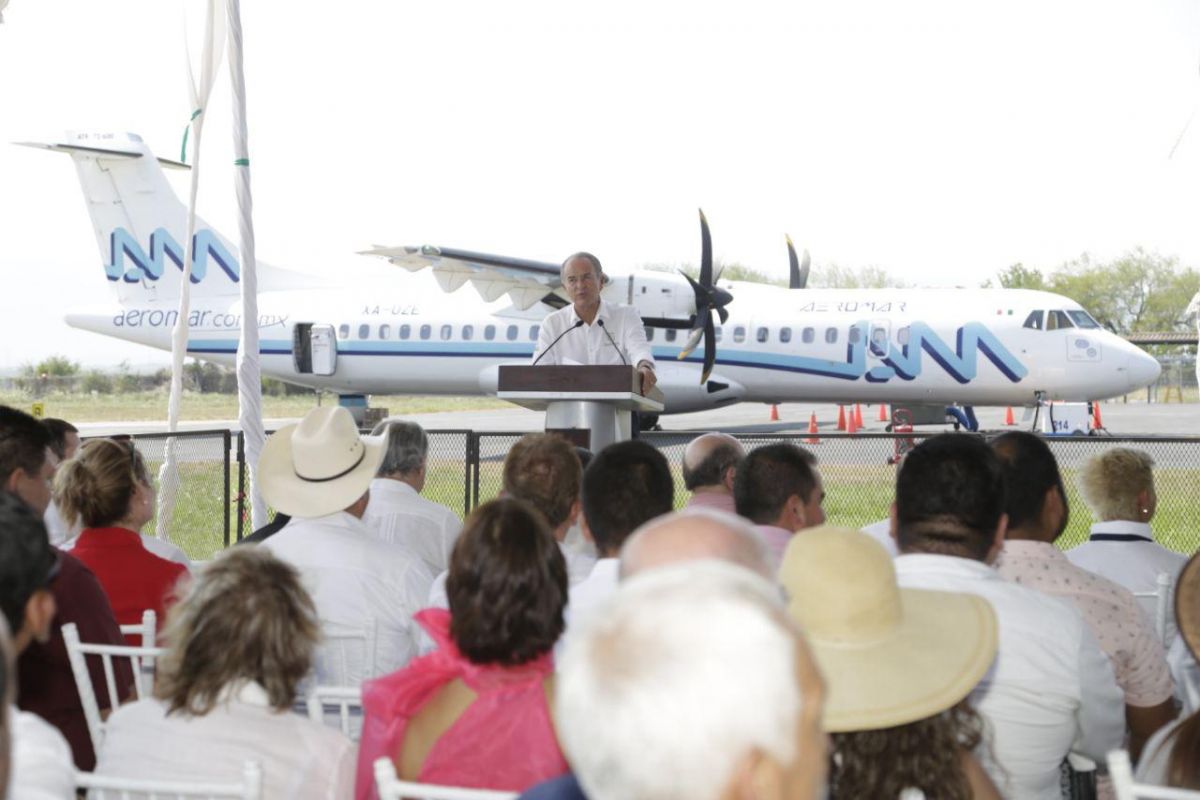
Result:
600,322
551,347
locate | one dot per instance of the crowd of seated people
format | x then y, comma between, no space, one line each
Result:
577,638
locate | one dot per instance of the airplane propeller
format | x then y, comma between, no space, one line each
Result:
799,272
709,299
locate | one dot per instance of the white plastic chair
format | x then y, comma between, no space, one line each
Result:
345,701
147,628
141,660
1120,770
1162,604
103,787
392,788
346,655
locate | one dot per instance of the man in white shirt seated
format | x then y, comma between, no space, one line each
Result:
710,463
319,472
39,766
1051,690
611,334
778,488
397,513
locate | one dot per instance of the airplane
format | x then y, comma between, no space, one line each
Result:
412,331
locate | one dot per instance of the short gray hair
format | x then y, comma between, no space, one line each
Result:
407,446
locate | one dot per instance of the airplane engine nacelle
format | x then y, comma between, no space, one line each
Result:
684,392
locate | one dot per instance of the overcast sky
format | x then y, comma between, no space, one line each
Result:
941,141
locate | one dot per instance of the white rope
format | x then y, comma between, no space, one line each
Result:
248,369
168,474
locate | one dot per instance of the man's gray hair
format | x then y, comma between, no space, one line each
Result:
407,446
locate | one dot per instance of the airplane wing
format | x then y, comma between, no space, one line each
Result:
525,282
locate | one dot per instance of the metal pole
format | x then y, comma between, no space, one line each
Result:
227,440
241,496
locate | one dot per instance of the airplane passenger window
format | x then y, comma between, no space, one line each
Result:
649,334
405,331
1057,320
511,333
808,335
831,335
671,334
425,331
447,331
489,332
385,331
902,335
533,333
468,332
879,337
1083,319
785,335
717,332
761,334
1033,321
364,331
739,334
343,332
855,334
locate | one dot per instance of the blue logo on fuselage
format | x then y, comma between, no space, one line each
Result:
163,246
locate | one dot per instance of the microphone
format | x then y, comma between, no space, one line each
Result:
551,347
600,322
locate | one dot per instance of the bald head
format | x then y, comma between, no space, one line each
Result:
710,462
695,535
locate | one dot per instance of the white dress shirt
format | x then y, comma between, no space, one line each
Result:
398,514
1156,755
41,767
300,759
159,547
1051,689
1186,674
356,580
585,597
590,344
57,527
881,532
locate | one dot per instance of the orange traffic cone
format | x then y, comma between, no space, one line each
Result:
774,413
858,423
883,416
1008,416
853,427
812,430
1097,423
841,426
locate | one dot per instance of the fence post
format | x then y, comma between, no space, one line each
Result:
227,439
467,475
241,496
475,459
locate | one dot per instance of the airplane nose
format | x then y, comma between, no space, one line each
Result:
1141,370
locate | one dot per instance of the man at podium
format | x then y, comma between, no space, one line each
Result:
590,330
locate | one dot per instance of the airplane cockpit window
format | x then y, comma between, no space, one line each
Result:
739,334
1057,320
343,331
511,333
447,331
1033,321
425,331
468,332
761,334
831,335
808,336
1083,319
533,332
364,331
671,334
405,331
785,335
902,335
385,331
855,334
649,333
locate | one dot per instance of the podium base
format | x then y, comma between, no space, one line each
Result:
606,423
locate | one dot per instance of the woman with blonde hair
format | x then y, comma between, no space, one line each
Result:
107,488
239,642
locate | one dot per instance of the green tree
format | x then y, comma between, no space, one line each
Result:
835,276
52,367
1139,291
1019,276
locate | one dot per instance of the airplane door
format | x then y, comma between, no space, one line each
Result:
314,349
880,337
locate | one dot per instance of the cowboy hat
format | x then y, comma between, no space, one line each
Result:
890,656
320,465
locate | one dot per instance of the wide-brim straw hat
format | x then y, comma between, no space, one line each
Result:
890,656
320,465
1187,604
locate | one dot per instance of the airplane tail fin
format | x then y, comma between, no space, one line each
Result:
141,224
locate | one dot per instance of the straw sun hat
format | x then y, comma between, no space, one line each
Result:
1187,604
319,466
890,656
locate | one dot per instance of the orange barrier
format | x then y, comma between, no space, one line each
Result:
1096,421
841,426
853,427
774,413
858,423
1008,416
883,415
812,430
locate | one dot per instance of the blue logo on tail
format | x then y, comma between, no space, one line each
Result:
205,246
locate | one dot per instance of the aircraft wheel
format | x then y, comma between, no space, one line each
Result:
648,422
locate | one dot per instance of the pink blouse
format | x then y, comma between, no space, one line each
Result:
504,740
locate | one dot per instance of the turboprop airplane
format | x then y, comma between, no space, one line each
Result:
388,330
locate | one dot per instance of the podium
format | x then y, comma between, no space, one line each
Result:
591,405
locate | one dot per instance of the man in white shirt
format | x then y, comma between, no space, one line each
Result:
319,472
397,513
39,766
607,333
710,463
1051,689
778,488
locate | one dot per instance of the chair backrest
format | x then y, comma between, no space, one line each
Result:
392,788
142,661
103,787
1120,771
147,629
341,704
346,655
1163,594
